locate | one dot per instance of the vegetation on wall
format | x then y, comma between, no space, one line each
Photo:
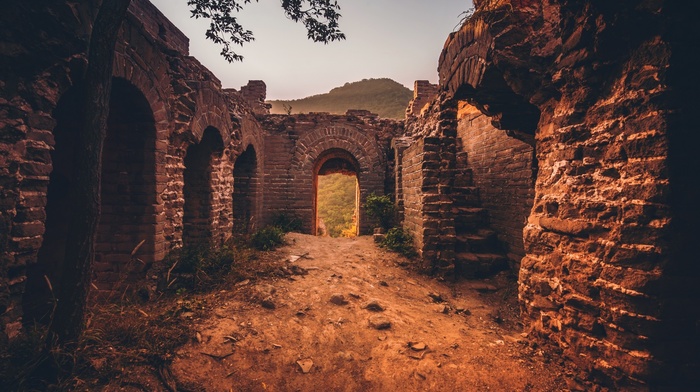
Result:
336,204
381,208
384,97
399,240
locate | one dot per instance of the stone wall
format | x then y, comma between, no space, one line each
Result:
295,145
255,93
423,93
163,104
502,167
597,88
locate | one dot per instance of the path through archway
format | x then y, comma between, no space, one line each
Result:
336,194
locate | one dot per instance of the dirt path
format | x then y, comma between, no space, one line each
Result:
263,332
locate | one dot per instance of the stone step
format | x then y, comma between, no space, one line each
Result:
481,241
470,218
479,265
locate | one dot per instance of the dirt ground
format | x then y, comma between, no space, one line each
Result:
314,331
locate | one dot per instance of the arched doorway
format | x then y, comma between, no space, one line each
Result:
335,171
127,196
245,190
37,295
198,191
126,233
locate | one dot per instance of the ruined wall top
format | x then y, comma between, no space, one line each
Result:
423,92
255,93
159,27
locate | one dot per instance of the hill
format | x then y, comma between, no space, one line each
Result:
384,97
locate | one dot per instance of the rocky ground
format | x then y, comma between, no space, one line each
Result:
348,316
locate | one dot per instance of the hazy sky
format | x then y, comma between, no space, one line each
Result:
397,39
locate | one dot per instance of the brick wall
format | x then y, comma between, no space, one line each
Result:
294,145
608,274
503,169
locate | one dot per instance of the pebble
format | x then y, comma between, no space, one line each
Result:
374,306
379,322
338,299
268,303
305,365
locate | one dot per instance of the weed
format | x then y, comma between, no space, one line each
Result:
399,240
381,208
267,238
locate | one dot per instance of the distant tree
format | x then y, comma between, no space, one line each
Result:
320,17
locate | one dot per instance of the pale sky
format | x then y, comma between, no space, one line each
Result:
397,39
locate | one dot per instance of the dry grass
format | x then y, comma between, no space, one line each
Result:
130,345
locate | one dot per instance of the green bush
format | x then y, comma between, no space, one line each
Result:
287,222
267,238
380,208
399,240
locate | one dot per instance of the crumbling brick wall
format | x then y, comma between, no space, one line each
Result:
173,99
502,169
293,145
603,90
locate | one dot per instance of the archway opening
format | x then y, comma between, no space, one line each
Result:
245,190
336,194
200,160
37,295
126,233
127,196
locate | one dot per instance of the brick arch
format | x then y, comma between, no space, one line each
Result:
365,151
212,111
153,87
154,84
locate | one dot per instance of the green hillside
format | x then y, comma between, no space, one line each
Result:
384,97
336,204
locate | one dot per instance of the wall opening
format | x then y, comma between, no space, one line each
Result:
128,196
37,296
336,194
336,203
245,190
198,191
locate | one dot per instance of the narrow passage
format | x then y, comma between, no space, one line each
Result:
353,317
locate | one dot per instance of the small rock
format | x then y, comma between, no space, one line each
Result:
419,376
198,337
436,297
444,309
356,296
268,303
381,338
379,322
463,311
417,346
305,365
496,316
346,356
338,299
374,306
383,283
243,283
